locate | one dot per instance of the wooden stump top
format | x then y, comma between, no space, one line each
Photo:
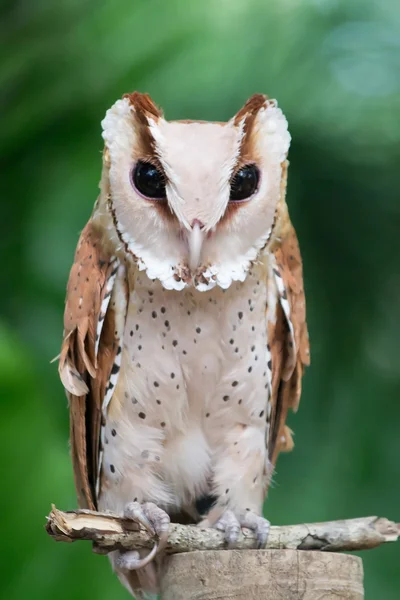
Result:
262,575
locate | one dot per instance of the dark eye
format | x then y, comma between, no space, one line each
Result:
244,183
149,180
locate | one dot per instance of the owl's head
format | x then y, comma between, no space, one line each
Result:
195,203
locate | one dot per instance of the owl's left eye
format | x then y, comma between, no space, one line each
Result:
148,180
244,183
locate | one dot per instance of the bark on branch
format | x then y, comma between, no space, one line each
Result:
109,532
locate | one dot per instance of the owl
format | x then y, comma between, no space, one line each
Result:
185,334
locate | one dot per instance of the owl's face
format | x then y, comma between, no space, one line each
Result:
194,202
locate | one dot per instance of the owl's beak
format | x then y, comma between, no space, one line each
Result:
195,242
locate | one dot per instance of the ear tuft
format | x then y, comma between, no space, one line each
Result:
246,118
143,111
144,106
261,119
251,108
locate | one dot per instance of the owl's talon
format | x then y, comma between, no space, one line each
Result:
155,521
258,524
135,512
152,518
131,561
230,525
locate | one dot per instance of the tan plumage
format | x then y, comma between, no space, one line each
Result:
290,354
84,372
153,417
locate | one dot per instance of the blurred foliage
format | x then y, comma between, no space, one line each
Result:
334,66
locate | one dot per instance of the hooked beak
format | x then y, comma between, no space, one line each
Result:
195,239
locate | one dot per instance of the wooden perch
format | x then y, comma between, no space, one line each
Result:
284,570
109,532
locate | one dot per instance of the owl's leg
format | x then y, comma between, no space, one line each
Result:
241,475
156,521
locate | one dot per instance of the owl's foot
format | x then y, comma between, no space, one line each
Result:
231,524
258,524
153,518
155,521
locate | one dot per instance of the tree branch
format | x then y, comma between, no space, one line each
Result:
109,532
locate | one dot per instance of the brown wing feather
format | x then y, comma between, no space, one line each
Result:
85,365
288,341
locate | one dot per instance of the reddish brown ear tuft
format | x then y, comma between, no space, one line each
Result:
144,109
249,113
144,106
251,108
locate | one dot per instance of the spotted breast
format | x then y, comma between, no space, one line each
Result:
191,401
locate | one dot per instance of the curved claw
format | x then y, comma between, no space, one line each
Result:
159,521
130,561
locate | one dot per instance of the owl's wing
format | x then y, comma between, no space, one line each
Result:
88,355
288,341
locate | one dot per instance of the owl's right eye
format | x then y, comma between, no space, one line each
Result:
148,180
244,183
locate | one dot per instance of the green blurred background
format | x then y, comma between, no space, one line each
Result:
334,66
